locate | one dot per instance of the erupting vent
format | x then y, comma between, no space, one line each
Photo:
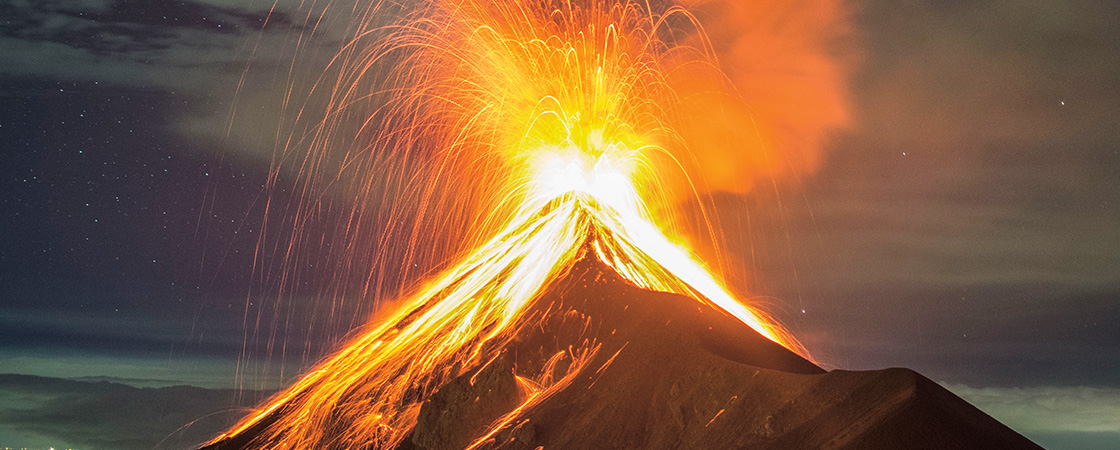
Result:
571,130
567,120
369,394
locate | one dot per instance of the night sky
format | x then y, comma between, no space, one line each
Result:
967,226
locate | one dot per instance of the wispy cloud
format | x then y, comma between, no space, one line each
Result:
127,42
210,54
40,412
1048,409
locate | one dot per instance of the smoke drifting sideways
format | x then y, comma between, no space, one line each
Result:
397,134
791,64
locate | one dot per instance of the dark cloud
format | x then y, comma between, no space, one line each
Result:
142,335
1021,336
128,27
191,46
39,412
966,228
947,76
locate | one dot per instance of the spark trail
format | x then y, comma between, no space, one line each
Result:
369,393
558,123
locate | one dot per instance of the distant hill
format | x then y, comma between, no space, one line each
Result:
39,412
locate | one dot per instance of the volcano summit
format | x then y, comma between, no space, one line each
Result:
564,333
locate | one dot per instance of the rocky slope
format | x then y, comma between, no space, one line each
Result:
671,373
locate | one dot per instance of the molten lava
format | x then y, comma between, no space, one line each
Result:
370,392
563,120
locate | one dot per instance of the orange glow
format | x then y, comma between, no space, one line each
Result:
790,64
378,381
557,123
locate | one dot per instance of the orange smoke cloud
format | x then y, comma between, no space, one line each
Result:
790,63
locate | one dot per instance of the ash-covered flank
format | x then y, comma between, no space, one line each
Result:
673,373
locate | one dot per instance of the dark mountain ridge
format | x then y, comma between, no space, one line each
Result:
669,372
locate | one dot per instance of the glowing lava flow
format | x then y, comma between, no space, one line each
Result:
376,384
576,105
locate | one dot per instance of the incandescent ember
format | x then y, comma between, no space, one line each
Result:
668,372
571,129
592,360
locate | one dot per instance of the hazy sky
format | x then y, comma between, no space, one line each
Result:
967,226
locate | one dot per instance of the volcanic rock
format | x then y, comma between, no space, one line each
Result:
669,372
450,419
673,373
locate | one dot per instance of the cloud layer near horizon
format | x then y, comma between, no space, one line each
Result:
1048,409
37,412
108,415
967,229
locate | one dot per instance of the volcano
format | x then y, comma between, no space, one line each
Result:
673,374
568,132
595,361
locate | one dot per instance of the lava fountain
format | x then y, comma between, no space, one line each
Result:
565,126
